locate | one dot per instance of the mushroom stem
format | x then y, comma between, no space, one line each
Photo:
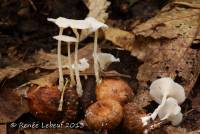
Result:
166,116
72,82
155,113
60,107
96,66
61,79
76,67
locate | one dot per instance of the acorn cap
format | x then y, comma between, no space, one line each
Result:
95,24
171,111
166,86
65,38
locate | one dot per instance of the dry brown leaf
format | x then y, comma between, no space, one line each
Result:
196,102
173,56
142,98
173,130
3,128
126,40
97,9
13,70
171,24
120,38
171,60
12,106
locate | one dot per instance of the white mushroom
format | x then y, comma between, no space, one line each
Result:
95,25
68,39
165,87
171,111
60,22
77,24
83,64
74,24
105,59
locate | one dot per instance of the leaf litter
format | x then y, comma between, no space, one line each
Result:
165,44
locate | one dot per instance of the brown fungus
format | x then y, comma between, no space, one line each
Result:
115,89
104,114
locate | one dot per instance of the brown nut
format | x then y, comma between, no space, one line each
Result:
104,114
115,89
44,102
132,121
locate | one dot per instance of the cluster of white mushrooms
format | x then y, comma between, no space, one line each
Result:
169,95
89,23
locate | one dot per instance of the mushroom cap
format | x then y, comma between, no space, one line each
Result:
115,89
60,22
83,64
166,86
95,24
65,38
105,59
64,23
104,114
171,111
176,120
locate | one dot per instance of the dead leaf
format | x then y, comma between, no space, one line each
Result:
3,129
97,9
46,80
12,106
171,60
120,38
196,102
173,56
142,98
13,70
171,24
174,130
126,40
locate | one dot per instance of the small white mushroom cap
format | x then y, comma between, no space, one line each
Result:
64,23
83,64
60,22
171,111
65,38
166,86
105,59
95,24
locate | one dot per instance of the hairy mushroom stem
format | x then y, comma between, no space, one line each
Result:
61,79
76,66
96,66
155,113
72,82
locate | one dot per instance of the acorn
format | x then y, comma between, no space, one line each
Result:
44,102
115,89
135,119
104,114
